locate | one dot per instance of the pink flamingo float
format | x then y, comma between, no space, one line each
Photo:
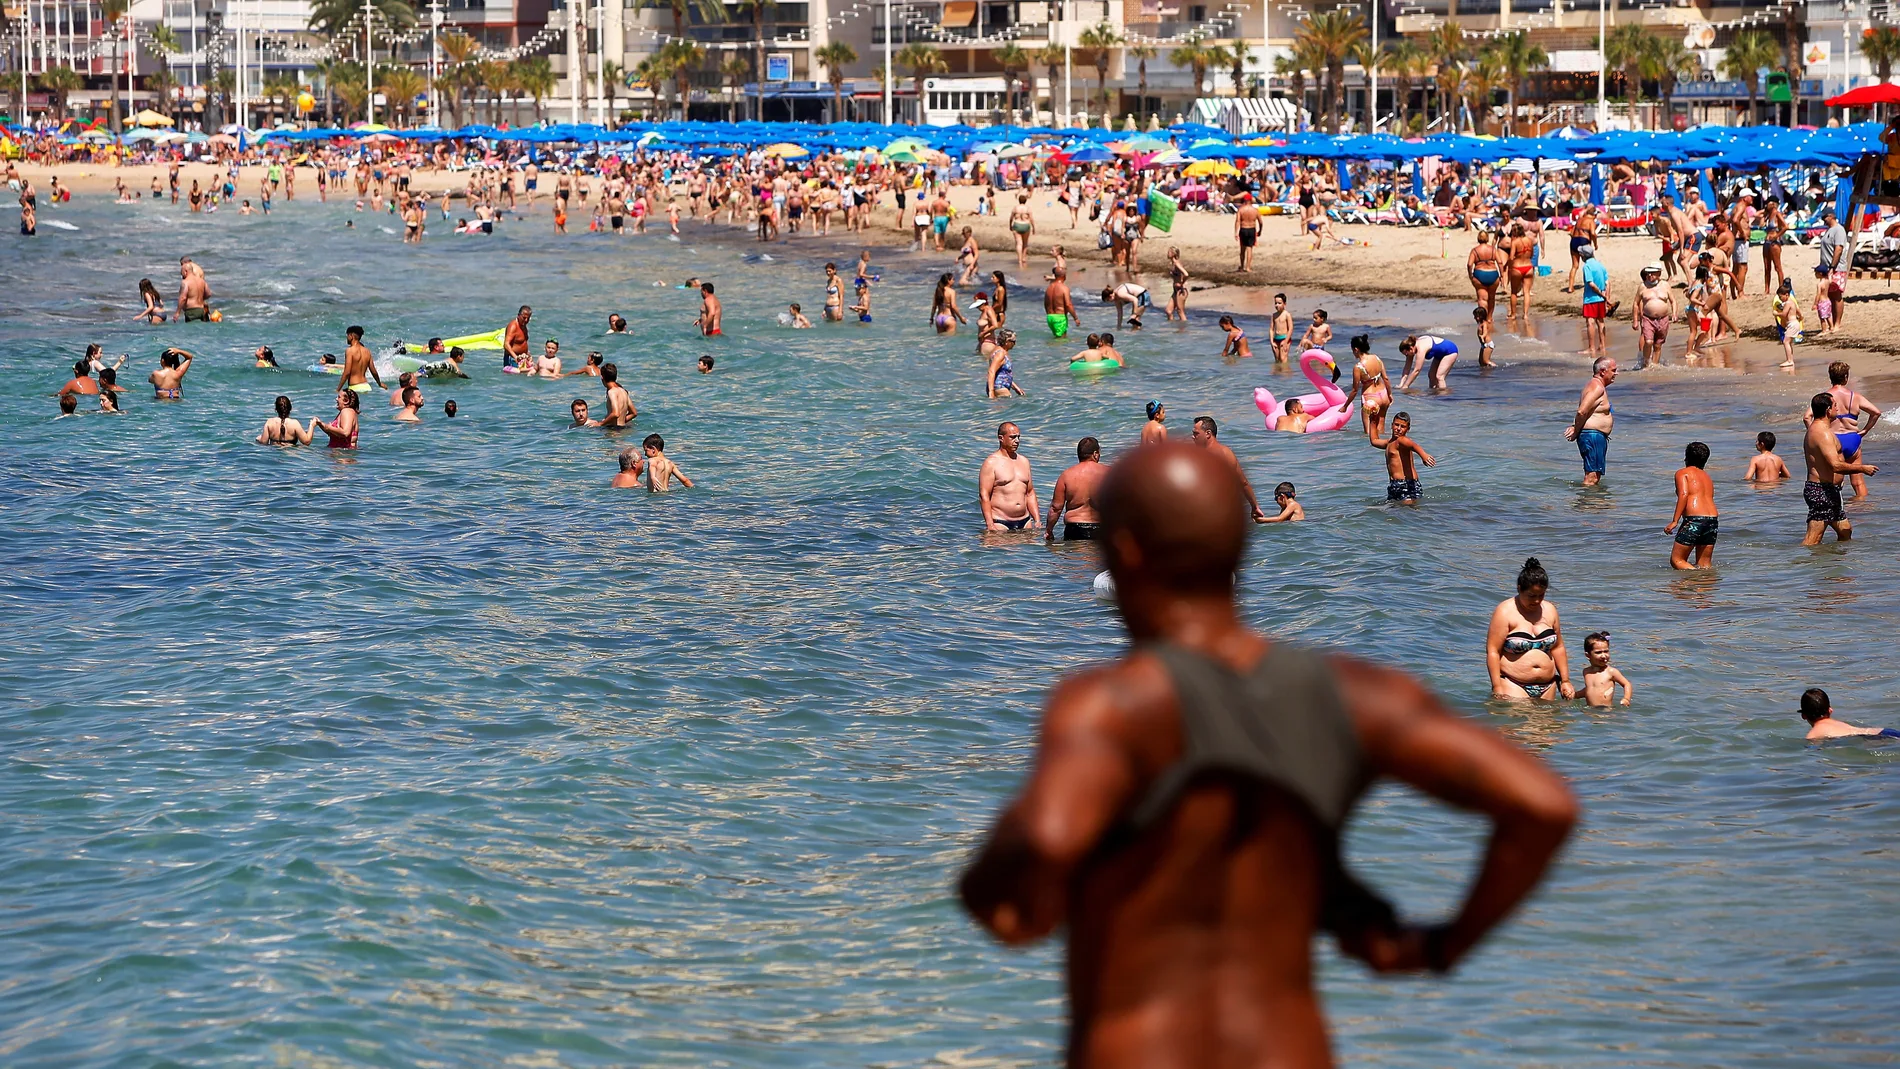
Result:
1323,406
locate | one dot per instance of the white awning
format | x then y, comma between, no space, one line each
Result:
1246,115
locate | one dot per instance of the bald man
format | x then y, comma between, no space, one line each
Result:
1182,816
1206,434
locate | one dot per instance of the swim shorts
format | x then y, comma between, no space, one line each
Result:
1655,329
1247,236
1403,490
196,315
1595,310
1058,325
1080,532
1594,448
1824,502
940,223
1696,531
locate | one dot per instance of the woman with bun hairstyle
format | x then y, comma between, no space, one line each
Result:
1524,650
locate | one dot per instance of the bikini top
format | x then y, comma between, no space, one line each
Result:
1524,641
1281,725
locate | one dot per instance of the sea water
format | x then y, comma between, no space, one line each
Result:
441,752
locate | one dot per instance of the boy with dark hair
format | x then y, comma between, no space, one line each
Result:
1401,475
1818,711
660,470
1765,466
1290,510
1695,511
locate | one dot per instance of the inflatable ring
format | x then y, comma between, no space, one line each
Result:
1094,365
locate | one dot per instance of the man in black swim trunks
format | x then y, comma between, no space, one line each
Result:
1005,492
1182,817
1827,466
1075,495
1247,230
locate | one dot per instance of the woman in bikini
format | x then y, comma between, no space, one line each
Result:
944,314
1524,649
999,296
1523,269
1774,227
343,432
1021,225
1370,385
280,429
1484,267
169,380
967,257
1583,231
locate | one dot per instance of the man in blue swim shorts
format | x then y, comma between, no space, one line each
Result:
1595,419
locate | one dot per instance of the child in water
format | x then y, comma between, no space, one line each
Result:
1787,320
1765,467
863,307
1483,318
798,320
1236,345
1401,477
660,470
1600,678
1290,510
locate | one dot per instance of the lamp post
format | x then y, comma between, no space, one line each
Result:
369,65
435,73
1603,107
600,65
1068,67
1372,94
887,63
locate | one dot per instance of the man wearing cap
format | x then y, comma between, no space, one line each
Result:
1831,273
1596,299
1652,312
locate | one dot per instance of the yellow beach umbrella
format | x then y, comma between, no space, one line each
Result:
785,150
148,117
1205,168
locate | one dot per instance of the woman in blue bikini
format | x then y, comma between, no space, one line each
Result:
1524,650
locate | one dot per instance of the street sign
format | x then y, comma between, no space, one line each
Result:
778,67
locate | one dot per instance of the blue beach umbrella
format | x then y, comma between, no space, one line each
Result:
1596,184
1418,178
1091,154
1708,191
1670,190
1843,198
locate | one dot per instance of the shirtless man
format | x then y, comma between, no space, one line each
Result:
1662,219
1595,419
1295,419
411,406
1826,468
1651,313
1247,231
1075,494
1207,436
514,340
1682,231
1058,306
1190,902
1695,512
620,410
1156,429
631,468
193,292
82,383
358,362
711,315
1004,490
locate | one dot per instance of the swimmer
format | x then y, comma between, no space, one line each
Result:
711,316
1818,711
1695,512
403,382
1765,466
620,410
834,295
343,432
1005,489
1600,678
450,367
863,307
591,368
1319,333
1295,419
264,357
798,320
1236,344
193,293
1000,377
1206,434
358,362
1401,477
660,470
577,413
1524,648
109,403
944,313
411,406
1281,328
1371,385
548,364
168,381
154,310
1058,305
1852,418
632,466
1073,499
1155,430
1105,348
81,384
68,405
1420,350
1290,510
448,409
616,324
705,364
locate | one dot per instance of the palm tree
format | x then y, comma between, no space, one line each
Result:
835,57
1404,60
1328,38
1446,46
707,10
1051,57
1290,68
1098,39
923,60
1142,53
279,91
1881,46
758,8
682,57
351,91
1238,56
1482,81
401,85
611,75
1792,27
1623,50
1518,57
1013,60
337,19
535,77
161,82
58,82
1668,62
1747,53
735,71
1192,54
657,72
112,13
456,76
